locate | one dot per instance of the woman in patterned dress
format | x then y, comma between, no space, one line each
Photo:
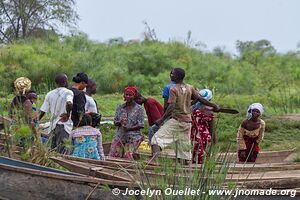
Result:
129,120
202,127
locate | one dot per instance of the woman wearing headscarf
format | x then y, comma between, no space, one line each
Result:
129,120
202,127
21,102
250,134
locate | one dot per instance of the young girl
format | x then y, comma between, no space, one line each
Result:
250,134
87,140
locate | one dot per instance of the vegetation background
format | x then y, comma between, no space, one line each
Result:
257,74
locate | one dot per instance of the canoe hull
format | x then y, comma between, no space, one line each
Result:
25,183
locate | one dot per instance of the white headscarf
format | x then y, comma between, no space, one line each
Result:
206,94
257,106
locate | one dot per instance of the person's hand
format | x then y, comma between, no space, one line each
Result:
123,122
216,108
243,153
159,122
64,117
126,128
117,123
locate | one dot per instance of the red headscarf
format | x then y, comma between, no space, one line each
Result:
131,89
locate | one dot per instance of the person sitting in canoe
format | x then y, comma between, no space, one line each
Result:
202,127
250,134
87,140
129,120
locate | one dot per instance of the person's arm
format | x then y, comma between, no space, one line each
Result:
117,121
261,133
41,115
27,105
165,104
45,107
165,96
154,112
212,131
240,139
69,106
170,108
100,147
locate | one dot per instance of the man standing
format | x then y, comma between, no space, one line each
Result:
79,100
59,103
176,131
154,112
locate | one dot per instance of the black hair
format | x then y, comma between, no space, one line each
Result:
86,120
81,77
90,84
61,79
180,73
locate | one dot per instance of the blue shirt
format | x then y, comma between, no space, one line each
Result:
166,90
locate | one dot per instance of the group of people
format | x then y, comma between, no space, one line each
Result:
73,114
185,121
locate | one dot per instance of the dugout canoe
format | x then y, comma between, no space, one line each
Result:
263,156
22,180
118,164
236,173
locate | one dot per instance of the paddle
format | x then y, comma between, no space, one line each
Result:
228,110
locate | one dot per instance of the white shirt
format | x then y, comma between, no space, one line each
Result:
90,105
55,103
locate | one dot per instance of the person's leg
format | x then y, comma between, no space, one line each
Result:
61,136
152,130
254,153
116,148
131,146
183,145
242,155
165,136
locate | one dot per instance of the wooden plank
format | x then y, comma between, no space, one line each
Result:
89,170
286,183
111,162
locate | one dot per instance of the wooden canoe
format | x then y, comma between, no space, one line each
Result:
22,180
89,169
236,172
263,157
232,167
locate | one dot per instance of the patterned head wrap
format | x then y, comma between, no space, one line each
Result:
206,94
131,89
257,106
22,84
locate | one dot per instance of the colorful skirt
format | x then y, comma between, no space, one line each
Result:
251,152
86,147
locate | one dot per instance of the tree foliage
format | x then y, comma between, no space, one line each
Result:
20,19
